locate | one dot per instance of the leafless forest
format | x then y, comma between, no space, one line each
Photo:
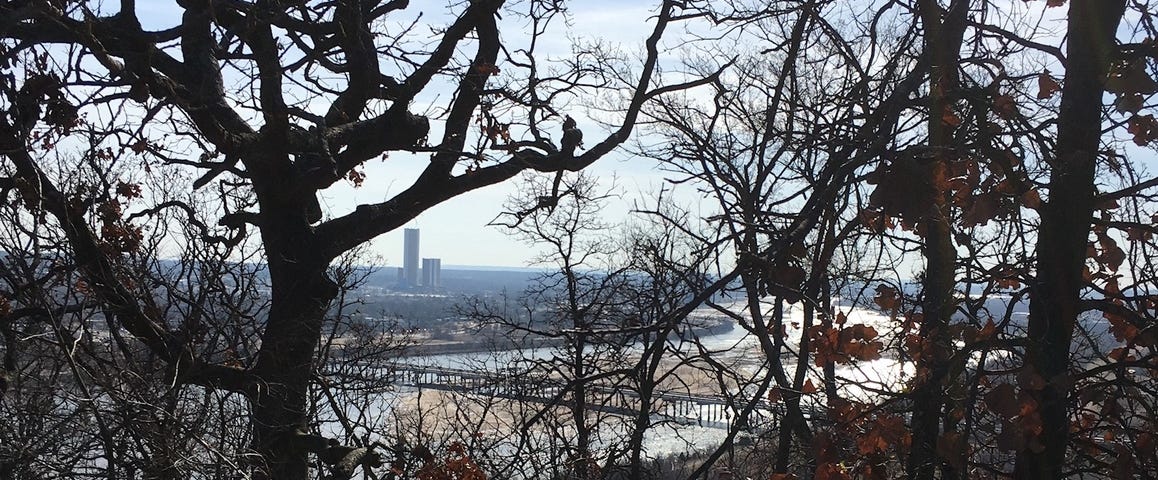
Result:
932,223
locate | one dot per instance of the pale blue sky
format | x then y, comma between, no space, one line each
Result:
456,231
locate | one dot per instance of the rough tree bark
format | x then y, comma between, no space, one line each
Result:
1065,228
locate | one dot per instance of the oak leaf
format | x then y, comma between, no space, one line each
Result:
140,146
809,388
1030,380
1136,234
128,190
1131,77
1144,128
1129,103
774,395
1031,199
1005,107
1046,86
886,298
1003,401
487,68
989,331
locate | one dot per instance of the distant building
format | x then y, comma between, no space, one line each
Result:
432,272
410,257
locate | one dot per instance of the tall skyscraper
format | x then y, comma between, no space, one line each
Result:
410,257
432,272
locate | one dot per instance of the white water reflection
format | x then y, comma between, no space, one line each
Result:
740,351
737,349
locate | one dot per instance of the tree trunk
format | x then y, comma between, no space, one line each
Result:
301,295
829,367
792,403
787,424
581,463
1065,229
942,45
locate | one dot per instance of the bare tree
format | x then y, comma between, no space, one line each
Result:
173,295
267,104
954,167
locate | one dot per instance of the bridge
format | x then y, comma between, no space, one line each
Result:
712,411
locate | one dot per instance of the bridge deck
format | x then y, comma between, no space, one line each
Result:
714,411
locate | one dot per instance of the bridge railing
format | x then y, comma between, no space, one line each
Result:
717,411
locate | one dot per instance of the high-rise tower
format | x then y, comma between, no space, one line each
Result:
410,257
432,272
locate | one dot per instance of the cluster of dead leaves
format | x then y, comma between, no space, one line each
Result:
1122,328
1018,414
784,281
1127,78
903,190
831,453
456,466
872,437
1097,433
843,345
117,234
883,433
1005,277
496,131
989,188
981,189
1132,83
831,471
783,278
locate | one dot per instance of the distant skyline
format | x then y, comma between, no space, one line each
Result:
456,231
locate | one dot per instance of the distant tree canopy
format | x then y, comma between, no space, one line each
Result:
833,143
